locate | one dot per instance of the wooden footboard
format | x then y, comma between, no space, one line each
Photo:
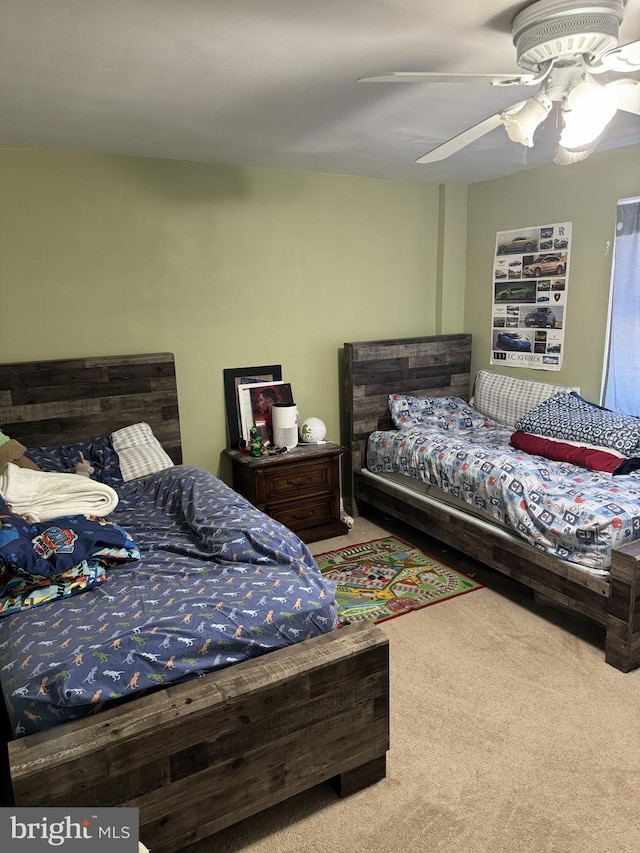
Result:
200,756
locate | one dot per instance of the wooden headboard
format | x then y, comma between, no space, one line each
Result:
435,366
45,403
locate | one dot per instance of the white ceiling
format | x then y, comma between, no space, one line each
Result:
270,82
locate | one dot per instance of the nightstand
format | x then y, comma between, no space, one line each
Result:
300,488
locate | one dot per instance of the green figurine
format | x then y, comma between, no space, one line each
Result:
255,442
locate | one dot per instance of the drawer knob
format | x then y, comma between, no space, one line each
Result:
298,482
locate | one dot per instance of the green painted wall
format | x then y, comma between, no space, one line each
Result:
223,266
230,267
452,239
584,194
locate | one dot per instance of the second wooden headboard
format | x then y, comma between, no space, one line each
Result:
45,403
434,366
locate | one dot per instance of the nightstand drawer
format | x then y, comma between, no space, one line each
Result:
314,512
304,479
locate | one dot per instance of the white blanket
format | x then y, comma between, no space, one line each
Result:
39,496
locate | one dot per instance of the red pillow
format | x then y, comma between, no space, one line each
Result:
594,458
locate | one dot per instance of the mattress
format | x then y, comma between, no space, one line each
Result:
571,513
218,582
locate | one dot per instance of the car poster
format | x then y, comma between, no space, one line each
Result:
529,292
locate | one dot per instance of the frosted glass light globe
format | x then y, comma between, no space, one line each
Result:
313,430
588,109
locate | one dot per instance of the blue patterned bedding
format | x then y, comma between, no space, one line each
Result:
567,511
218,582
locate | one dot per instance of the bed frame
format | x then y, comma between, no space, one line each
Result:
440,366
202,755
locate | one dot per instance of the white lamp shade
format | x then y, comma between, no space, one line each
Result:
567,156
522,124
588,109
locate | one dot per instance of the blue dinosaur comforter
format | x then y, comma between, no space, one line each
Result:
217,582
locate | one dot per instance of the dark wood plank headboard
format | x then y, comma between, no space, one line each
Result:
44,403
434,366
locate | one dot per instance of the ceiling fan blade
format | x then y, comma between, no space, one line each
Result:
442,77
625,57
462,140
628,94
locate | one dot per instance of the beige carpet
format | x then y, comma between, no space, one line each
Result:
509,734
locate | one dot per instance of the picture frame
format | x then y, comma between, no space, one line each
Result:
246,402
235,376
260,405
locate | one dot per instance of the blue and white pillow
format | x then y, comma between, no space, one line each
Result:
447,412
569,417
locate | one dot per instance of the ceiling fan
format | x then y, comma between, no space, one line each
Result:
562,45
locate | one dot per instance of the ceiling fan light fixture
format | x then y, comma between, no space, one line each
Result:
561,44
522,124
567,156
586,112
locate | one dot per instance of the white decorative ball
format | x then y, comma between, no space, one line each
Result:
313,430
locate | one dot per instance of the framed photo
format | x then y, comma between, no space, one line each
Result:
262,398
251,402
233,378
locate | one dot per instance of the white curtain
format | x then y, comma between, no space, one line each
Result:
622,381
